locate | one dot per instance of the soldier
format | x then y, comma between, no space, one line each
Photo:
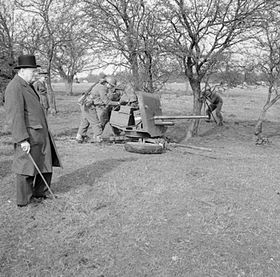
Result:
41,88
216,103
93,109
114,95
129,97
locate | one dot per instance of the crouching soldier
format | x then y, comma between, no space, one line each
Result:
216,103
41,88
93,110
129,97
125,95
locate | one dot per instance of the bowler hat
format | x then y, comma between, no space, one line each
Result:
27,61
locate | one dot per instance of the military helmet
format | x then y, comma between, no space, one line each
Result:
111,80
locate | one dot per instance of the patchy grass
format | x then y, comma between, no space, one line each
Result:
182,213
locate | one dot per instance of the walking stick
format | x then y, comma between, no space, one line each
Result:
41,175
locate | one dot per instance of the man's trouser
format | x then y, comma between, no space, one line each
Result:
90,116
218,108
104,114
28,187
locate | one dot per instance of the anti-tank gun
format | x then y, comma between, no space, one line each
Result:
144,128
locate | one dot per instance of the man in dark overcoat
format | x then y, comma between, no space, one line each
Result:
30,134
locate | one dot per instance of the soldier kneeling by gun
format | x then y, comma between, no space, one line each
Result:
216,103
129,97
93,108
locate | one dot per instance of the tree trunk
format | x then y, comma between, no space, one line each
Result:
197,105
267,105
53,109
135,71
149,73
69,86
51,96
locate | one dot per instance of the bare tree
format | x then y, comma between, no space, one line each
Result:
71,56
116,24
126,31
44,13
68,61
268,44
6,45
52,31
198,32
155,64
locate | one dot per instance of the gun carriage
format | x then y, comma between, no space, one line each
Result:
144,128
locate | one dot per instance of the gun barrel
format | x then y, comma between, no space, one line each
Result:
173,117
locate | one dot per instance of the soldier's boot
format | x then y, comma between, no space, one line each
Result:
208,119
96,139
79,138
219,118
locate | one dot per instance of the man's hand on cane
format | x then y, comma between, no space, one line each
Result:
25,146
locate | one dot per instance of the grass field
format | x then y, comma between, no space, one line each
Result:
182,213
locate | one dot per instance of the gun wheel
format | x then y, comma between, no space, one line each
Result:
143,148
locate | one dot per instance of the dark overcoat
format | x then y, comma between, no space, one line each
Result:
28,122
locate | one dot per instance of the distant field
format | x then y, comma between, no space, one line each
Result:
239,104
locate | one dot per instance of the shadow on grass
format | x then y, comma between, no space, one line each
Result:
231,129
71,132
5,168
178,132
88,175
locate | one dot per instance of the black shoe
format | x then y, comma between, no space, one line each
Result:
20,205
40,197
86,138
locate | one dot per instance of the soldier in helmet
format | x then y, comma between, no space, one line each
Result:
129,97
216,103
114,96
41,88
94,107
125,95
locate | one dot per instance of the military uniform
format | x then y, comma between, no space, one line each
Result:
93,111
129,97
216,103
41,89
